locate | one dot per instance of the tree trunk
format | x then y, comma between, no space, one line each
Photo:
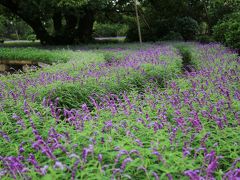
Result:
57,21
40,31
85,27
77,29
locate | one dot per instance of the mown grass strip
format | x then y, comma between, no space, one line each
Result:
186,51
34,54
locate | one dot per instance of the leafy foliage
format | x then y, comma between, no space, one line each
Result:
109,30
227,31
187,27
60,22
174,36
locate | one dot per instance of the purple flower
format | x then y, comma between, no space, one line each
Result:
159,156
232,175
86,151
85,108
134,152
139,142
14,166
108,125
125,162
212,160
120,154
155,175
193,174
5,136
43,170
59,165
21,149
169,176
142,168
100,158
74,169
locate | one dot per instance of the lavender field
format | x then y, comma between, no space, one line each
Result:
160,111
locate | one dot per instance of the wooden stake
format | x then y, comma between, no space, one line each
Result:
138,23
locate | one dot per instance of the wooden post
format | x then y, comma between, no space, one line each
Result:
138,22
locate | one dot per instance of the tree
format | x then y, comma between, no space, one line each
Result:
12,27
227,31
159,17
69,20
218,9
2,27
187,27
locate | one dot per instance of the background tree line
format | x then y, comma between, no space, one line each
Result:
77,21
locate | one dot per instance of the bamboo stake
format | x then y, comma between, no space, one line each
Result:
138,22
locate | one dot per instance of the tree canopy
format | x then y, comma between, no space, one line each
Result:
71,21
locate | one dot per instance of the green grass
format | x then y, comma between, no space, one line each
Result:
34,54
60,54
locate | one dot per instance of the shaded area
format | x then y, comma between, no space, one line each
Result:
14,66
185,51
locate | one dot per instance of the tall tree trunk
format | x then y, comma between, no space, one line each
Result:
85,27
57,21
39,30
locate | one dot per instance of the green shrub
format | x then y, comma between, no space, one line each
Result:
154,31
187,27
173,36
109,30
13,36
204,38
1,40
219,31
227,31
111,56
31,37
